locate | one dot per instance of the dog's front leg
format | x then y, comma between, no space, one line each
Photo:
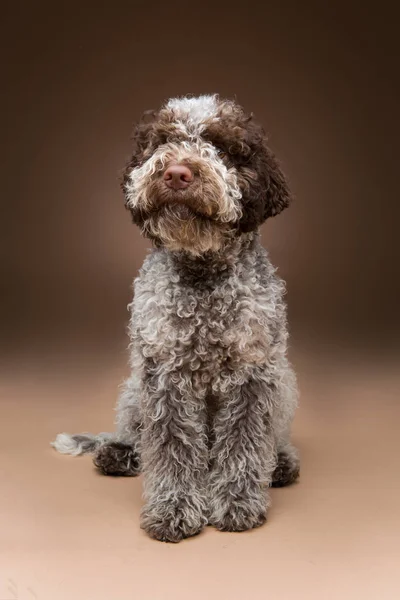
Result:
242,457
174,457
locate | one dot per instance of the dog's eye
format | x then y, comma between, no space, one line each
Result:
221,153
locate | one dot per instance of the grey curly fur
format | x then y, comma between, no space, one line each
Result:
206,413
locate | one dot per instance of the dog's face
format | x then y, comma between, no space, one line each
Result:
201,173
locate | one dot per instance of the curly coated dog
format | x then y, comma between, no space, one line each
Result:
206,413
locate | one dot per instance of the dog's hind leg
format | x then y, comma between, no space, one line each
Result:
114,453
121,454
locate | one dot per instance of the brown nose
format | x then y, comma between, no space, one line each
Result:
178,177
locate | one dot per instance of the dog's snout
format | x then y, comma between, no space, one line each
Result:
178,177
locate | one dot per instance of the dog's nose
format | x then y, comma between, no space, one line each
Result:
178,177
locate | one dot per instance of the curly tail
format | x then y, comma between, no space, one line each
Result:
80,443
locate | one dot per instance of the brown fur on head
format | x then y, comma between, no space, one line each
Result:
237,183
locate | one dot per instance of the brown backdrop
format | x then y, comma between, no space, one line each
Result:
75,77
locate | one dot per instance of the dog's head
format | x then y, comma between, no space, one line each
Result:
201,172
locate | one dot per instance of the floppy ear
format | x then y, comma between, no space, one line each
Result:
277,193
140,139
265,190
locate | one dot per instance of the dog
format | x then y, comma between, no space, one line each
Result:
206,413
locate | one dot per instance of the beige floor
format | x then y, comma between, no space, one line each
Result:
68,533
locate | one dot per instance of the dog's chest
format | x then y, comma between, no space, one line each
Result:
204,329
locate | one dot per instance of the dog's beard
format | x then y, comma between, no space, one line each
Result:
186,202
179,226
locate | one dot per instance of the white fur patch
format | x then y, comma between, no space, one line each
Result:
76,444
65,444
193,113
197,109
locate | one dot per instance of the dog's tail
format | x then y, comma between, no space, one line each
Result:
80,443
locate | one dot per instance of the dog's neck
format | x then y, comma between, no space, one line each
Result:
210,267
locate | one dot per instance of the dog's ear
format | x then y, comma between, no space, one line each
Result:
142,139
273,185
277,192
265,188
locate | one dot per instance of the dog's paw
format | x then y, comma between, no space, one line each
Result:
287,470
172,521
231,511
116,458
240,517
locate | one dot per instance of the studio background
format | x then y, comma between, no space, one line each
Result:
321,77
75,80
